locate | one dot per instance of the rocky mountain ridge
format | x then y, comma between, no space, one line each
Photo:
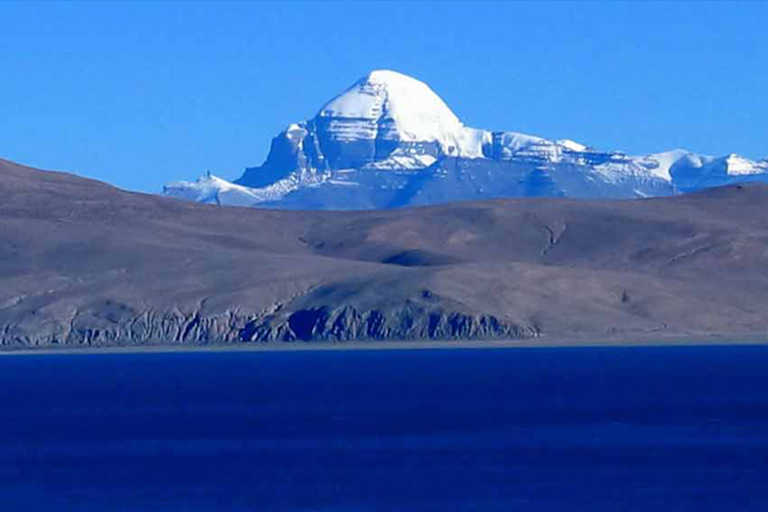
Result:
390,141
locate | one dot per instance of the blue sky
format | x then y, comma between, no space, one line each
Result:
141,93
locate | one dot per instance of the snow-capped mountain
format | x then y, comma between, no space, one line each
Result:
390,141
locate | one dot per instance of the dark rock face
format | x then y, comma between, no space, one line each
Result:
311,148
82,263
314,324
348,324
295,149
459,179
528,173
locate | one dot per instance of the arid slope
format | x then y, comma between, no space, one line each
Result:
82,262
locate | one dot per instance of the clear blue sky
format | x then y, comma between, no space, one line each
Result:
143,93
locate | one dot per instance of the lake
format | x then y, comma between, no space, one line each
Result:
556,429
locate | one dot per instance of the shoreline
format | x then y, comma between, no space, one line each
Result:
313,346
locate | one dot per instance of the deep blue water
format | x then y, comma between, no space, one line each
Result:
594,429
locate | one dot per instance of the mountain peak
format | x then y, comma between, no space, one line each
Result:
738,165
387,76
388,105
389,140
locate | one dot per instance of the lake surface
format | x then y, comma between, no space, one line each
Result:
592,429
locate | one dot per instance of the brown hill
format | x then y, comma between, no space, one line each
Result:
82,262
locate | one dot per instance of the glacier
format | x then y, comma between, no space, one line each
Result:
390,141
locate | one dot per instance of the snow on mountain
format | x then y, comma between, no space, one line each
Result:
389,140
571,145
661,164
391,106
736,165
211,189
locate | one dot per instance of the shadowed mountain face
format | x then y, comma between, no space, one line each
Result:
84,263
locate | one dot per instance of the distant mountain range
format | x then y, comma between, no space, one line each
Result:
389,141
